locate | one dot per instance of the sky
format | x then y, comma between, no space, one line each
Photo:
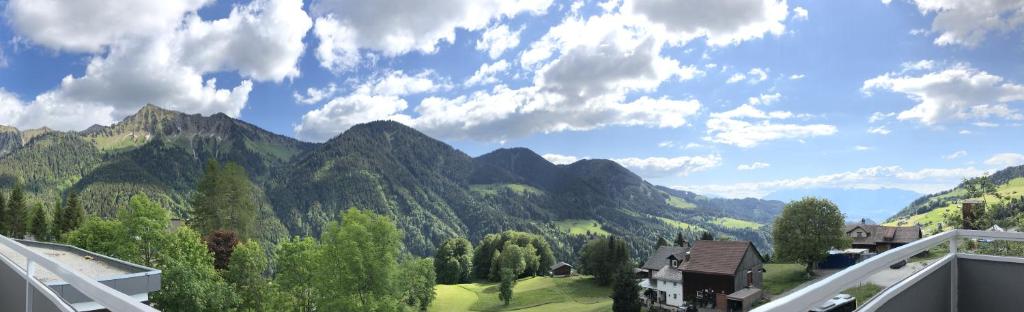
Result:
727,98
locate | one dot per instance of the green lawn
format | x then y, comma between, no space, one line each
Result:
736,223
863,292
581,226
781,277
573,294
679,203
682,225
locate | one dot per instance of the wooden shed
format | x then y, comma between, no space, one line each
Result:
561,269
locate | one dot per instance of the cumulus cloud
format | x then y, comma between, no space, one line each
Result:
968,22
315,95
879,116
800,14
955,155
754,76
753,166
498,39
395,27
862,148
720,22
1005,160
927,180
880,130
747,126
955,93
161,65
656,167
487,74
559,159
796,76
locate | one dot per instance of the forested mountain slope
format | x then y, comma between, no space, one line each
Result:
1002,191
432,190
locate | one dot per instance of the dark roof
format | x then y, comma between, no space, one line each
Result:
560,264
884,234
668,273
717,257
660,257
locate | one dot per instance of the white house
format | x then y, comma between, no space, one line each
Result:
667,287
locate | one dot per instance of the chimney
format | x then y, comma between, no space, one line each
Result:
863,221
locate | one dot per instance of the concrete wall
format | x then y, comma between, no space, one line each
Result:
12,291
929,294
990,285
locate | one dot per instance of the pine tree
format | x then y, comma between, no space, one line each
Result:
55,229
680,241
661,242
625,293
3,214
73,214
40,223
17,213
225,199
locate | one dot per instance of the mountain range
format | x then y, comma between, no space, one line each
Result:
432,190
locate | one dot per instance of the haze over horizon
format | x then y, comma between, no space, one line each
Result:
749,99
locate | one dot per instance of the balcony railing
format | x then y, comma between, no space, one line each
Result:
811,296
109,298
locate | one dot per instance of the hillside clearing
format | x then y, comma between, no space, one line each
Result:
681,225
736,223
581,226
573,294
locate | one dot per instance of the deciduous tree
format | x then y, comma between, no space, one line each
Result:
454,261
807,229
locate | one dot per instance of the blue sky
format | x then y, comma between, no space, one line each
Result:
737,98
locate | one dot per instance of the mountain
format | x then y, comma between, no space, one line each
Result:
1004,205
432,190
877,204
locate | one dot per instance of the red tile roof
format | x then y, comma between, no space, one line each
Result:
716,257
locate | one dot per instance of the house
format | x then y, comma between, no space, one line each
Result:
724,268
879,238
561,269
662,281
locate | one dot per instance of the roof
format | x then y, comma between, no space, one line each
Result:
560,264
884,234
717,257
660,257
668,273
745,293
86,263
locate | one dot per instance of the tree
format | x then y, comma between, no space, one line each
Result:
108,237
296,261
358,264
419,281
17,213
40,224
55,215
225,199
146,224
3,214
661,242
508,282
537,262
73,214
707,236
245,274
625,293
190,283
807,229
221,243
453,262
680,241
603,258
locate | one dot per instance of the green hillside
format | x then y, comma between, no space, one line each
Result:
573,294
1004,201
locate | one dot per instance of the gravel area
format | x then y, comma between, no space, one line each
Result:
96,268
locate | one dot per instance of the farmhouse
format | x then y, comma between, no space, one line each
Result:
725,269
663,281
561,269
879,238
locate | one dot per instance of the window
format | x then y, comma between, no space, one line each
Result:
673,283
674,296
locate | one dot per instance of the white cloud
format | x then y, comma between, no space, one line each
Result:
956,93
315,95
965,131
796,76
559,159
917,66
955,155
693,145
655,167
927,180
396,27
737,77
879,116
487,74
1005,160
754,76
800,14
753,166
880,130
984,124
747,126
862,148
498,39
161,65
968,22
664,144
721,22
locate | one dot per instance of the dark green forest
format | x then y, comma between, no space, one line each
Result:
431,190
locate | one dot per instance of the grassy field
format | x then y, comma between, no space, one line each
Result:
679,203
929,221
863,292
736,223
580,226
681,225
781,277
573,294
492,189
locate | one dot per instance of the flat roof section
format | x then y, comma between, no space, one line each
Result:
97,267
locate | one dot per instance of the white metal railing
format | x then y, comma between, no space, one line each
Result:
808,297
108,297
